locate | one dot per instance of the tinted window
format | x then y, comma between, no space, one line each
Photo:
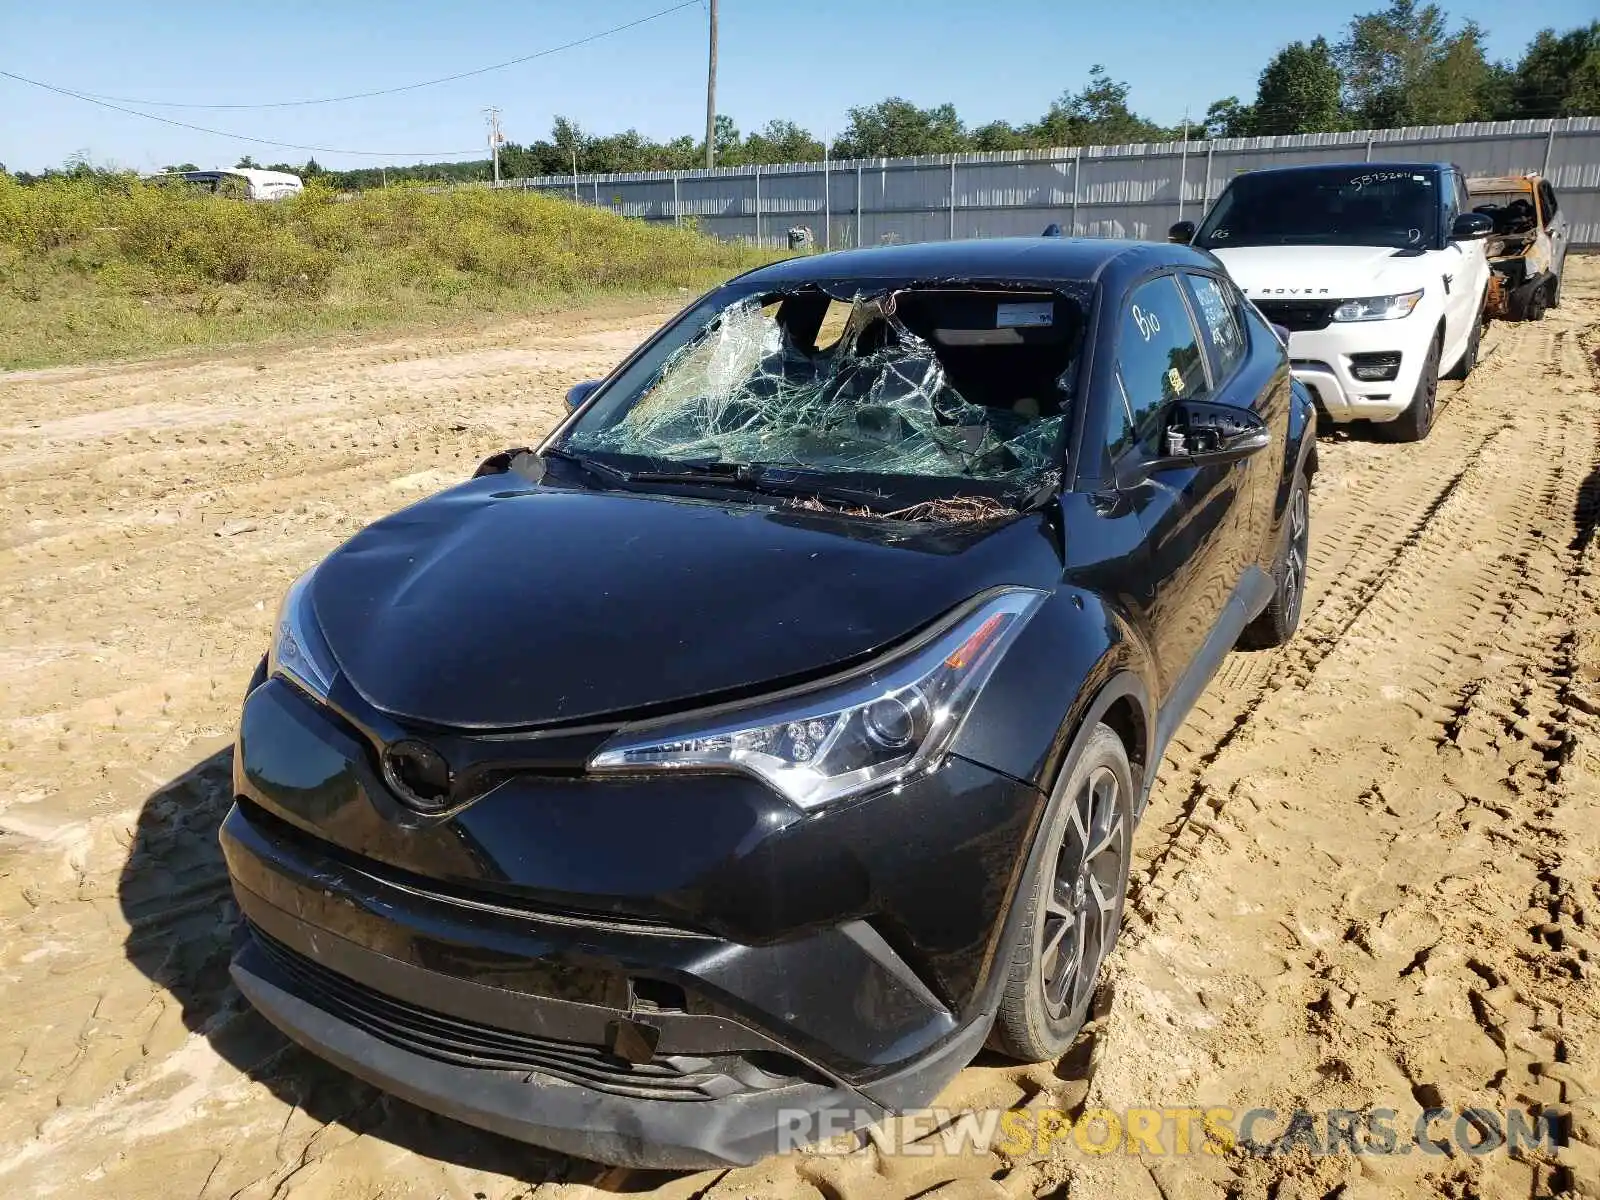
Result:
1158,357
1365,205
1219,322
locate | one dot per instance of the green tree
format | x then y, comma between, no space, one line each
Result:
1298,92
1401,66
178,168
730,143
1227,118
896,127
1559,75
782,141
1096,115
1001,135
245,163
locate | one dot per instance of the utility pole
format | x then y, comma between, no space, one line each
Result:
1183,164
711,93
495,138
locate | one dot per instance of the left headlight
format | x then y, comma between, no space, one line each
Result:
866,732
1378,308
298,651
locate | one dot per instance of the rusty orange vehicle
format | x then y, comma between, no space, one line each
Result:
1527,248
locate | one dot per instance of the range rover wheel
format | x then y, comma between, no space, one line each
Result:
1414,423
1281,617
1074,905
1469,358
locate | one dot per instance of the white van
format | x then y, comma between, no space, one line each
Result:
247,183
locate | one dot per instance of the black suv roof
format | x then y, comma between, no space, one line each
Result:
990,259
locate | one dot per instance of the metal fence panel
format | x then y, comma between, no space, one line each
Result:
1133,191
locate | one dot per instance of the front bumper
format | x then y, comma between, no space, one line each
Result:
1321,359
626,1036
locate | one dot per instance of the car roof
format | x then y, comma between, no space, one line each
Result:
987,260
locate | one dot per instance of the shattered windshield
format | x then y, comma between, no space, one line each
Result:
963,383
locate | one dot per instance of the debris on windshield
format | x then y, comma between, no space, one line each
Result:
944,510
955,510
879,400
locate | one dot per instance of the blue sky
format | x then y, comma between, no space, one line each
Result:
809,62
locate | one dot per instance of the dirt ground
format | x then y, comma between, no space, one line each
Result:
1368,876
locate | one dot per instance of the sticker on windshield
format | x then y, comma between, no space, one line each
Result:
1033,315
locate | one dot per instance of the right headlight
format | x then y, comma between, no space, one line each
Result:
298,651
864,733
1378,308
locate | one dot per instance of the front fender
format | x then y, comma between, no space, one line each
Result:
1075,658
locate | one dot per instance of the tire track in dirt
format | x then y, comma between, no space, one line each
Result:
1382,517
1401,897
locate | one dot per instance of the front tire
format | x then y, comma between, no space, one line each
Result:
1469,359
1281,617
1414,423
1074,905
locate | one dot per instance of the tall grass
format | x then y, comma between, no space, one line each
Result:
91,267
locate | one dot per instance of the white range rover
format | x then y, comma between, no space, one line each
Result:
1377,270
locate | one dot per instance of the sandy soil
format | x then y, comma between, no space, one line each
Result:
1368,876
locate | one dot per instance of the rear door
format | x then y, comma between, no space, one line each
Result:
1248,382
1188,513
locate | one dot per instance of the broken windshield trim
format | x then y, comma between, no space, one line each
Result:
938,435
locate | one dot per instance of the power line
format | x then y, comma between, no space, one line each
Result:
242,137
408,87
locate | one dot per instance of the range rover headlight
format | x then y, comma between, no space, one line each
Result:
1378,308
298,651
866,732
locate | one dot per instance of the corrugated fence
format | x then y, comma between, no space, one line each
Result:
1133,191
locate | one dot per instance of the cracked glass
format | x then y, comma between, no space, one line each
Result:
815,381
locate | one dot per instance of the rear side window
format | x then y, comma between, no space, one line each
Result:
1219,323
1548,194
1159,361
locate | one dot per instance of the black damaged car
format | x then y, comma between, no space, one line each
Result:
773,736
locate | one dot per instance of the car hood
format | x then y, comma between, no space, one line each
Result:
496,605
1321,272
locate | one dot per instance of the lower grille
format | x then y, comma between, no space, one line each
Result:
467,1043
1298,316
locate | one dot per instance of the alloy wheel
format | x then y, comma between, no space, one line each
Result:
1294,564
1083,906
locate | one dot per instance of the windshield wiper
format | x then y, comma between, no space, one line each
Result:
715,473
752,477
592,465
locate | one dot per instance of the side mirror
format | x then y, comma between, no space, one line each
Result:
1181,232
1471,227
1201,433
579,392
